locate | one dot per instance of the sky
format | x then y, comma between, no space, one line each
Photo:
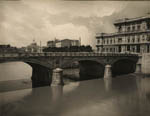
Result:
21,21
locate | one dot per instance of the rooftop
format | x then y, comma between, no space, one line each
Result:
132,19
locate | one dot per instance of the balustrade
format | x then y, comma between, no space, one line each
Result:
53,54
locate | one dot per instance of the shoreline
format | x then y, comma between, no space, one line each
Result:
12,85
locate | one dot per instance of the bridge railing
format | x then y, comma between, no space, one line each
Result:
69,54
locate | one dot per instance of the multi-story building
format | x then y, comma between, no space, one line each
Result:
63,43
133,35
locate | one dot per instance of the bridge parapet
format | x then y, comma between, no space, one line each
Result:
71,54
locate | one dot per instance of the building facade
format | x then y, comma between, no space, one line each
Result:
63,43
133,35
68,43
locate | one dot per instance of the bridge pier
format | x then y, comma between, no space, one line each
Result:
41,76
57,77
138,68
107,72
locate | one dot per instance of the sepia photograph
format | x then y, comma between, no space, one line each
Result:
74,58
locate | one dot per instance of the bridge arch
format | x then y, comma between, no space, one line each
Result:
41,72
123,66
90,69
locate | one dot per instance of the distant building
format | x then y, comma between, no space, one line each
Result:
133,35
63,43
33,47
7,49
51,43
5,46
68,43
58,43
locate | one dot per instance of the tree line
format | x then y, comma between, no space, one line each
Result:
82,48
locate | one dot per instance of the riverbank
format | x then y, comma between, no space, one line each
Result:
13,85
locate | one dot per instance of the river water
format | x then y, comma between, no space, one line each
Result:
127,95
14,71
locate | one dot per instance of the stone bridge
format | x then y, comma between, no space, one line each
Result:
90,64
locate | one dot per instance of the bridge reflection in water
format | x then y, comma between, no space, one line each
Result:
91,65
126,96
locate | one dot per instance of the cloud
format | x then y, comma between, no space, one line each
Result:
25,20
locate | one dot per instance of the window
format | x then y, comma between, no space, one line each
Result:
148,25
110,41
98,41
114,49
110,49
138,27
129,39
133,28
106,49
148,37
144,25
113,40
138,38
119,40
128,28
143,38
120,28
133,39
107,41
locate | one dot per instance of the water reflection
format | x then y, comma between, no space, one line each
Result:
143,87
127,96
108,84
71,87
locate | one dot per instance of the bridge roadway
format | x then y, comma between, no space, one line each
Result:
90,64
